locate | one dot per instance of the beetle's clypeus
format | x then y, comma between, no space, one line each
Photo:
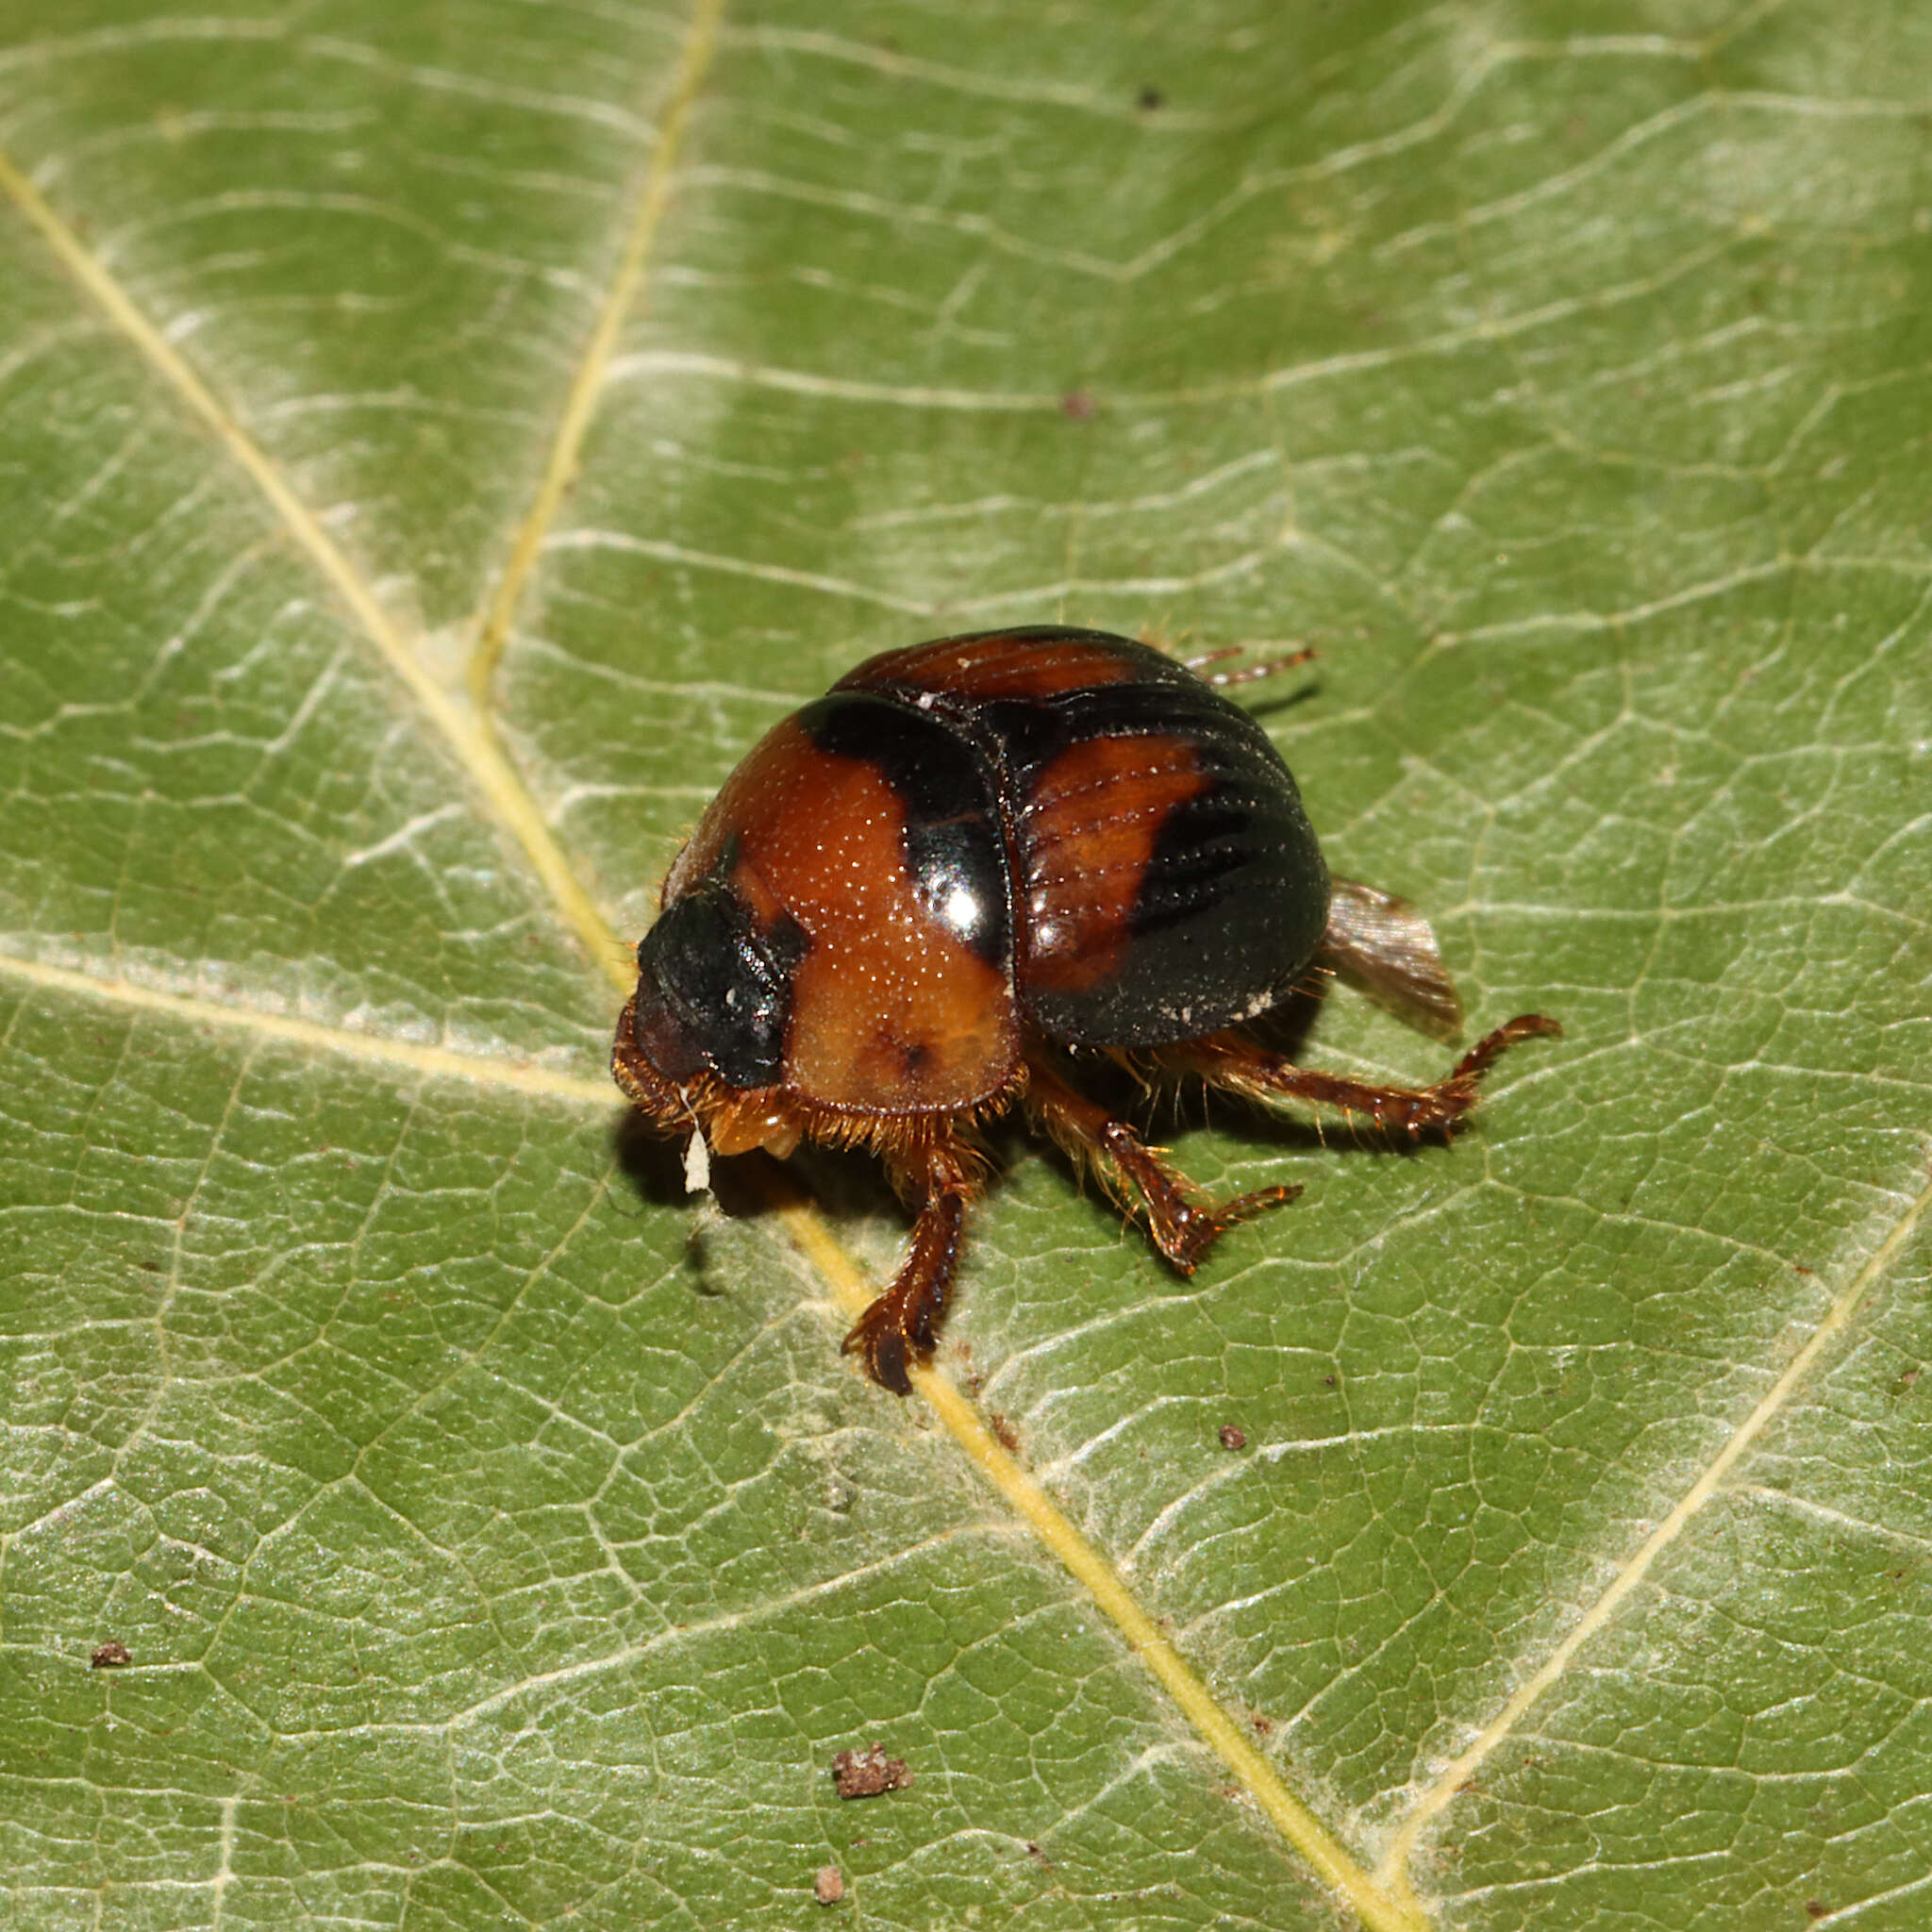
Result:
921,899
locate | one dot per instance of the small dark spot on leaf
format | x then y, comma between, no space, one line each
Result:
1264,1726
1077,404
1150,99
1815,1908
111,1656
1008,1436
1233,1437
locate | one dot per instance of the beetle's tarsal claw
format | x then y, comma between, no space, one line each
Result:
902,1327
881,1347
1194,1231
885,1358
1483,1054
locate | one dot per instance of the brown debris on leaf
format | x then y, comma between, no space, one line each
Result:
829,1888
866,1774
111,1656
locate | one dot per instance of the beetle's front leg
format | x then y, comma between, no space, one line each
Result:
902,1325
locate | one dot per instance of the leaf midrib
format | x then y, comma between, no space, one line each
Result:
468,729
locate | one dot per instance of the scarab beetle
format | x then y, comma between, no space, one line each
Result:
972,866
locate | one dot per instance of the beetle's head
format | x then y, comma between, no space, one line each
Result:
702,1043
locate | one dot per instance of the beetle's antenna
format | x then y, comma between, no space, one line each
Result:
1248,673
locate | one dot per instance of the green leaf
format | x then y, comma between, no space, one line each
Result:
435,443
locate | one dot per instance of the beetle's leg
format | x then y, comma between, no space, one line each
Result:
901,1324
1183,1227
1231,1061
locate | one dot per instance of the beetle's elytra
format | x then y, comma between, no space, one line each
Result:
924,898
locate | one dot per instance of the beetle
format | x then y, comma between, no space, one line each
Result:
975,867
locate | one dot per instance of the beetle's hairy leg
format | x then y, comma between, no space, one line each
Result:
902,1325
1232,1061
1183,1227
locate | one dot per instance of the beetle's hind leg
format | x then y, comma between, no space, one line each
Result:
1233,1061
902,1325
1183,1227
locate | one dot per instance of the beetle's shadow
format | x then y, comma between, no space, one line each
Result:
846,1184
1260,703
651,1164
746,1187
743,1187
